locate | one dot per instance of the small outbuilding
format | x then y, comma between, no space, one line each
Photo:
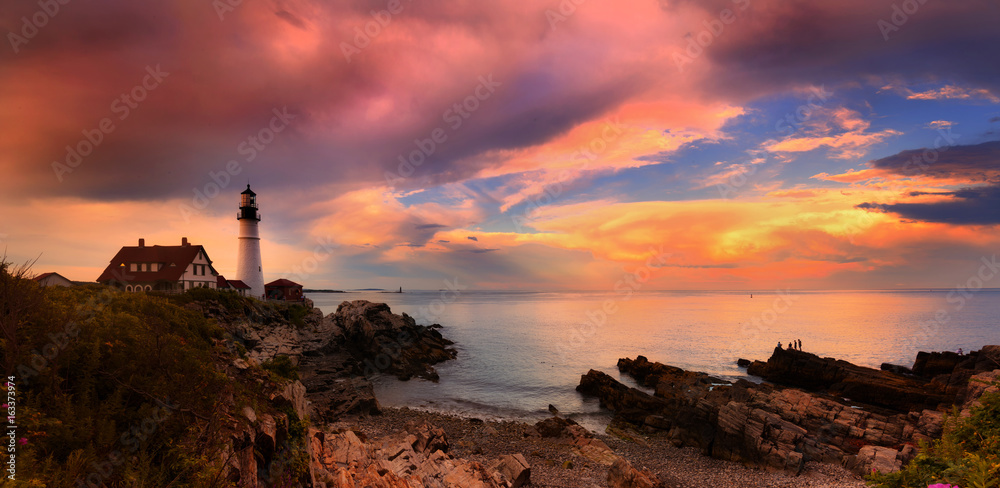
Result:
232,285
53,279
283,289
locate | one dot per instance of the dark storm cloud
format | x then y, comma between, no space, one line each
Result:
971,164
977,163
969,206
228,75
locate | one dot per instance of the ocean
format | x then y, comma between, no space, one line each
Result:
518,352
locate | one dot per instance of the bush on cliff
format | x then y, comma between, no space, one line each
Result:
282,367
967,455
119,389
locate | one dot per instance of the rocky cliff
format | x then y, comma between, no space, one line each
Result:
332,360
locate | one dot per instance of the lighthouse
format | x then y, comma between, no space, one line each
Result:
248,265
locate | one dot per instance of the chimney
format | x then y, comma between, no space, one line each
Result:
184,241
142,243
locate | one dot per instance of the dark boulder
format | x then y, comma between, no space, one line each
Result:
931,364
895,368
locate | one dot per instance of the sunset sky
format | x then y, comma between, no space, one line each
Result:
718,144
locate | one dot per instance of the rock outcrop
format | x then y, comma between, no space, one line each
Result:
841,378
337,354
952,371
780,426
416,457
389,343
335,357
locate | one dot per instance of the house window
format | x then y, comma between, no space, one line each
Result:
133,267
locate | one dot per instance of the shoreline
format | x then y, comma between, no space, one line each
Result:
692,430
554,464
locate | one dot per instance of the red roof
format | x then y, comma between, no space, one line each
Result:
43,276
222,283
175,261
282,283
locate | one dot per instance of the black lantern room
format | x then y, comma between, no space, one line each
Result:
248,205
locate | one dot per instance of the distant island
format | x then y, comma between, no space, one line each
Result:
308,290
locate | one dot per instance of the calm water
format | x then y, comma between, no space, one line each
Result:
519,352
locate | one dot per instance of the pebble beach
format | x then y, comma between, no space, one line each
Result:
553,464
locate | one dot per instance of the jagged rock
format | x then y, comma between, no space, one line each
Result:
875,458
427,438
579,439
242,466
980,384
623,475
952,371
931,364
742,362
249,414
341,460
895,368
294,395
342,396
629,403
268,437
514,468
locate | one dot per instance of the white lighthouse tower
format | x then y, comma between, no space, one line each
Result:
248,265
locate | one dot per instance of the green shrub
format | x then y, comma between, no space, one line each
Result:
282,367
296,314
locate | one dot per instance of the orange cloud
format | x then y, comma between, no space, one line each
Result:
852,144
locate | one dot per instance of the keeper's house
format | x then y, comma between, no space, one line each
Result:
170,269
